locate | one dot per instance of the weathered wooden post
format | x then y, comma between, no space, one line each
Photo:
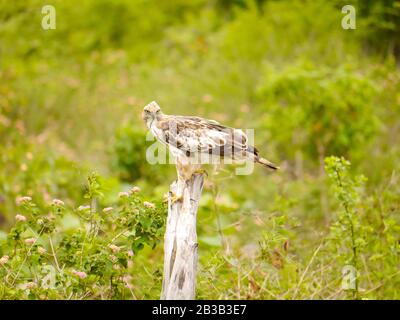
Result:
180,240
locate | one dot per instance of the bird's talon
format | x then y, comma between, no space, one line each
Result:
175,198
201,171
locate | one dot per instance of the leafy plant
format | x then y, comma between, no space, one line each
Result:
323,111
347,230
60,251
129,155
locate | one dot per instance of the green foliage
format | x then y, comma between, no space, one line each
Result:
81,252
129,156
28,167
347,227
325,111
380,21
352,236
93,187
70,129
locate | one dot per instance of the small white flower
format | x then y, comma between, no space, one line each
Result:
114,248
41,250
20,218
30,241
108,209
58,202
80,274
21,200
127,278
135,189
113,258
82,208
149,205
123,194
4,260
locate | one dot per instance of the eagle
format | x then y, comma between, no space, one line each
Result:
189,138
195,141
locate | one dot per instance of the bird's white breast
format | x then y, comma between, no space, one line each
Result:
156,132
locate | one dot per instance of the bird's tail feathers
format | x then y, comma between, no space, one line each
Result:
266,163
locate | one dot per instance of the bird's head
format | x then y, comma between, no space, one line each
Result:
151,112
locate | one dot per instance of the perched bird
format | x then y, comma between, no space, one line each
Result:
194,141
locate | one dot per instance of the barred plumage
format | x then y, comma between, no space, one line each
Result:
192,139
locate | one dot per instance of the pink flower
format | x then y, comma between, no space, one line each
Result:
20,218
149,205
123,194
130,264
4,260
134,189
113,258
41,250
108,209
130,253
82,208
114,248
30,241
127,278
22,200
79,274
58,202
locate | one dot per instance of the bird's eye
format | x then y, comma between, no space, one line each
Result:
147,111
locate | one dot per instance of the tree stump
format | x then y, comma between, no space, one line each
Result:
180,240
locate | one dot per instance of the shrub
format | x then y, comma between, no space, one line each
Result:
320,111
60,251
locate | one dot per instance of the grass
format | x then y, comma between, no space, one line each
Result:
318,97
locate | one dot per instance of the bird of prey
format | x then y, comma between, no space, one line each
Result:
193,139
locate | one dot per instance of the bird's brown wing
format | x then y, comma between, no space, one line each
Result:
197,135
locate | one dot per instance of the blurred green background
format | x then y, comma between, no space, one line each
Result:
71,100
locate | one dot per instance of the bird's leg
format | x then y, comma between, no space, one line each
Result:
175,198
181,169
180,187
185,171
